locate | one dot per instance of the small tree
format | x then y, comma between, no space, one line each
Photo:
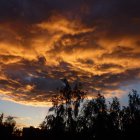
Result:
1,119
10,125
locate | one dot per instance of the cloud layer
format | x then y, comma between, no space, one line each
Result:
43,41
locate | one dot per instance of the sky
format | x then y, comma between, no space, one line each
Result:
43,41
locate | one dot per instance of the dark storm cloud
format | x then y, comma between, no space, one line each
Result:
123,53
26,10
115,17
108,66
86,62
42,41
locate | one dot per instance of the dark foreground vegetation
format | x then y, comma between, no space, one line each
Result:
74,117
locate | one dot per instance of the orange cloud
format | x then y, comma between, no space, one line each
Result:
101,49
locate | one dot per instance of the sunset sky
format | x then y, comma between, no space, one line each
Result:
43,41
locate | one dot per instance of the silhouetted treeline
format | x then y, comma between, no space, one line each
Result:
73,116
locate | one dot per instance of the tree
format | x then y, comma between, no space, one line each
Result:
65,109
74,116
131,116
1,118
10,125
114,118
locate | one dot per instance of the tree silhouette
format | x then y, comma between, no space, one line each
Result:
74,116
7,127
65,110
131,116
1,119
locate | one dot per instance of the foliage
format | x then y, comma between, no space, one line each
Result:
74,116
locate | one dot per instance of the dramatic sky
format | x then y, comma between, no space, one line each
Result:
43,41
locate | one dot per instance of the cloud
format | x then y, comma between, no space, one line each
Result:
44,41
